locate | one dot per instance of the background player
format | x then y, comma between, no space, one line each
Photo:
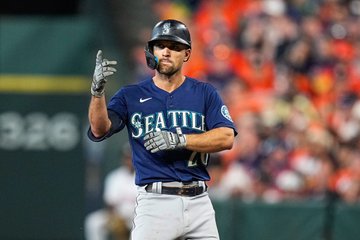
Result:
173,122
114,220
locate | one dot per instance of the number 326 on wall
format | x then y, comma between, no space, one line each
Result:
37,131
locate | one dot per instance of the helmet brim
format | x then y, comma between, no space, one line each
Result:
168,38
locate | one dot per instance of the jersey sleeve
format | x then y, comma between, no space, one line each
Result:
118,104
116,126
217,114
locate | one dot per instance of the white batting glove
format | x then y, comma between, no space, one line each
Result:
102,70
164,140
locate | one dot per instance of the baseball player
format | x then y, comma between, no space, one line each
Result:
173,123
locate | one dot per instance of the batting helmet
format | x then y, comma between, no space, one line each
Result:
171,30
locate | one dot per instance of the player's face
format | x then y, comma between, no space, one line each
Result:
171,56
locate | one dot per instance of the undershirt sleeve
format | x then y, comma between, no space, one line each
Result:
116,126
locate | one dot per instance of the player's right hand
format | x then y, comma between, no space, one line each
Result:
103,69
164,140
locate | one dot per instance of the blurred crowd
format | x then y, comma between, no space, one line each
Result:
289,72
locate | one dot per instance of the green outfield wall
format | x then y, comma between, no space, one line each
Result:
45,66
305,220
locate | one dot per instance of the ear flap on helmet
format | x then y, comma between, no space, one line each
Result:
151,61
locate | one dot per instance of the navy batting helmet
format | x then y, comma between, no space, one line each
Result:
171,30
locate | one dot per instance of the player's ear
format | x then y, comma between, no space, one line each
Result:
187,54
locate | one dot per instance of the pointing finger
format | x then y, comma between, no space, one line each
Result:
99,57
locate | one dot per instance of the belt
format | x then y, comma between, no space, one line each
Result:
187,190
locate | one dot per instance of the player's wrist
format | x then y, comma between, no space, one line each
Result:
97,88
97,94
182,138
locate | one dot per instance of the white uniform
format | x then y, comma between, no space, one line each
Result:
190,217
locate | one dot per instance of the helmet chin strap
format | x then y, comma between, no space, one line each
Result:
151,60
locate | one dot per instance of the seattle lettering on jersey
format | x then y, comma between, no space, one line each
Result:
143,125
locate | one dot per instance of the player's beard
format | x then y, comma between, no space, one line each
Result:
167,70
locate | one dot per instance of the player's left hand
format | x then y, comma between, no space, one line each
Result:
164,140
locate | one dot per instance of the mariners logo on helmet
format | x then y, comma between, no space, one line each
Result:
166,28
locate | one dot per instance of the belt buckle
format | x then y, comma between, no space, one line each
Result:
181,191
191,191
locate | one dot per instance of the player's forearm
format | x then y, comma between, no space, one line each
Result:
215,140
98,117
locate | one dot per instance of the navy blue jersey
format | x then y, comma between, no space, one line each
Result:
195,107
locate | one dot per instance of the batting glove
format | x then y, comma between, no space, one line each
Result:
164,140
103,69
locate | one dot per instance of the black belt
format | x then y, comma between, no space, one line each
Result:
188,191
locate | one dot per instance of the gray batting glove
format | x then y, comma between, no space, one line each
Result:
164,140
102,70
